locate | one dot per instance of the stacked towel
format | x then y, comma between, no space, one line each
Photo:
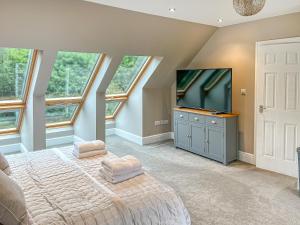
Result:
89,149
121,169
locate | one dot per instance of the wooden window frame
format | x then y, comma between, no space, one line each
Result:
122,98
20,104
76,100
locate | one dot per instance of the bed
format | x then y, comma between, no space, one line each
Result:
61,189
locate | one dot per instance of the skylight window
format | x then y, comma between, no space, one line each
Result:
111,108
126,77
9,120
16,67
72,76
60,113
126,73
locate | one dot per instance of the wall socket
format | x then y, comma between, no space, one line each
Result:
161,122
164,122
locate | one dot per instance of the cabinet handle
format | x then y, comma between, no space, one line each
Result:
196,118
181,116
213,122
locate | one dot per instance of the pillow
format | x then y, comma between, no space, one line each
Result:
4,166
12,202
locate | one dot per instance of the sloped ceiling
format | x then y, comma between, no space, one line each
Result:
204,11
83,26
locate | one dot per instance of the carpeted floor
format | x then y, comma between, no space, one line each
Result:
238,194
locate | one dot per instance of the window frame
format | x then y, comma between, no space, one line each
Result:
76,100
21,104
122,98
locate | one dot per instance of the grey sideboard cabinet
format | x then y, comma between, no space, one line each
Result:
205,134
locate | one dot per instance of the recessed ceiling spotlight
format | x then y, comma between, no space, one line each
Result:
220,20
172,10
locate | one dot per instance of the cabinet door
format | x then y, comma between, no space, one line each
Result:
198,139
182,135
215,143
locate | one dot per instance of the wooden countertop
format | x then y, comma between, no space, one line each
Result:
206,113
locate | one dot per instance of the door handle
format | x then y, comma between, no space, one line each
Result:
261,108
181,116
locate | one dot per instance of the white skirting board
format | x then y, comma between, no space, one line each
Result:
13,148
157,138
64,140
138,139
128,136
110,131
247,157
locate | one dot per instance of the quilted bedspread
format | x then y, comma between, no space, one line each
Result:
61,189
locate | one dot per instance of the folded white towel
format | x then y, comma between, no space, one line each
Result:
121,178
122,166
82,147
88,154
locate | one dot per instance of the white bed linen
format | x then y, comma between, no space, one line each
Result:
61,189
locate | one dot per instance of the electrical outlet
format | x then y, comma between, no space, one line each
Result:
157,123
165,122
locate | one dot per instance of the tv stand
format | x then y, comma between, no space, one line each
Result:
217,113
214,136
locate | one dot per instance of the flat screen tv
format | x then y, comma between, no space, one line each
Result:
207,89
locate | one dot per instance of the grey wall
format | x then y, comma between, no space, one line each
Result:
160,110
234,47
74,25
132,116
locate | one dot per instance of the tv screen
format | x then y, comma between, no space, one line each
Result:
209,89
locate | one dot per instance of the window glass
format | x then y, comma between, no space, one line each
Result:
126,73
111,107
9,119
71,73
60,113
14,66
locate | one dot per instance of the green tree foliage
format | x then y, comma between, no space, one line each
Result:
8,119
111,107
70,74
14,64
126,73
60,113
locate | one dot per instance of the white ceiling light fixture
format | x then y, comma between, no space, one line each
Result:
248,7
172,10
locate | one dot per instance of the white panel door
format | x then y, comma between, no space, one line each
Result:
278,105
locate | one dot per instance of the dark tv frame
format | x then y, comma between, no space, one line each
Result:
208,110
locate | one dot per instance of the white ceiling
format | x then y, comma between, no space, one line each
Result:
203,11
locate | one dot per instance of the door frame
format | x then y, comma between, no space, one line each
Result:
258,45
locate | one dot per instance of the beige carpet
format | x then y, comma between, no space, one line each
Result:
239,194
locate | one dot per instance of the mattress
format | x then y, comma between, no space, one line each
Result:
61,189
